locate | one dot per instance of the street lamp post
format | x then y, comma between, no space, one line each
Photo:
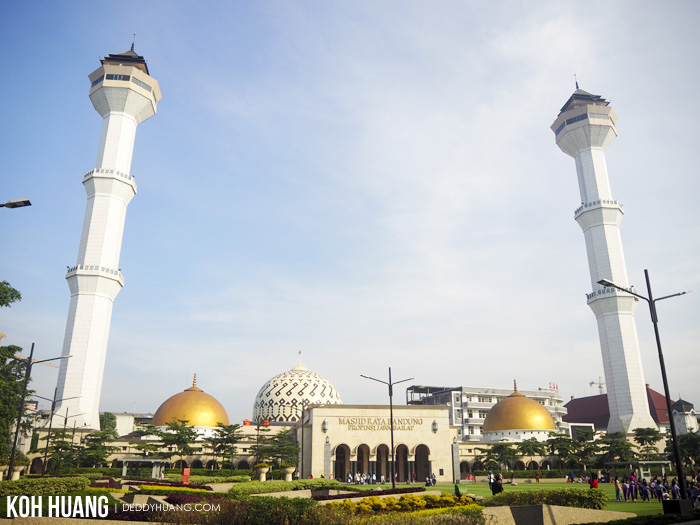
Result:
655,320
27,375
391,419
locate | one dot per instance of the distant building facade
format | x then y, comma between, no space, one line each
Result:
469,406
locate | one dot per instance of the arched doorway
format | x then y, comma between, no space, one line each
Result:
533,465
243,465
422,462
519,465
37,466
180,463
212,465
341,466
402,463
464,470
363,459
196,464
478,465
383,468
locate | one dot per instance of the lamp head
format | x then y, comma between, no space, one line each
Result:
607,283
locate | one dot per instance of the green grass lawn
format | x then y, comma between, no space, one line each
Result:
639,508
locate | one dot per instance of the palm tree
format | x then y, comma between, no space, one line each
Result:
498,455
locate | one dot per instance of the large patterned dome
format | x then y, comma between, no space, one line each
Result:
284,396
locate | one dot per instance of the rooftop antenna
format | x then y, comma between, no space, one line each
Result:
299,356
575,79
132,42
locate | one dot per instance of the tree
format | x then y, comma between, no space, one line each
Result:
224,441
8,295
95,448
646,439
12,373
498,456
59,456
585,449
281,448
560,445
531,447
689,445
616,448
179,435
108,422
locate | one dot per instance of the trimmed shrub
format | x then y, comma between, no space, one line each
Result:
159,490
42,486
661,519
404,504
569,497
367,493
264,487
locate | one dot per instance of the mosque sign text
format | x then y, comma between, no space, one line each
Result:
374,424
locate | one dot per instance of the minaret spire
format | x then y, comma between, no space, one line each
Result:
575,79
584,129
124,94
133,40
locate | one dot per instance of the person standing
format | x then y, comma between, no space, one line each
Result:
537,477
618,489
497,485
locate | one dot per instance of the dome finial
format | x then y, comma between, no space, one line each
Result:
576,81
194,381
300,357
515,385
133,40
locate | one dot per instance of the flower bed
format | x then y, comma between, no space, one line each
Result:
367,493
156,483
406,503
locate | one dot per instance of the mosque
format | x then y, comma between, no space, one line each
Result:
428,436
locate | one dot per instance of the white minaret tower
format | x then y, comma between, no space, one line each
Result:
125,95
584,129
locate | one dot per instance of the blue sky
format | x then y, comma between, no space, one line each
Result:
372,183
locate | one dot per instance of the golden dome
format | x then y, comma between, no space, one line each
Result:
193,405
517,412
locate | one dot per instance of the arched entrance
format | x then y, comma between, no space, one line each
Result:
180,463
37,466
464,470
383,463
212,465
533,465
342,462
519,465
243,465
402,463
422,462
196,464
363,459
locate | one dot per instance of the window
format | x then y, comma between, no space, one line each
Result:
98,81
482,414
576,119
470,413
141,84
471,429
119,77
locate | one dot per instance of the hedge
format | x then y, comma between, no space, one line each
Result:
367,493
264,487
160,490
43,486
569,497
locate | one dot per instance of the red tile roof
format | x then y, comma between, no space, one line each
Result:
594,409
